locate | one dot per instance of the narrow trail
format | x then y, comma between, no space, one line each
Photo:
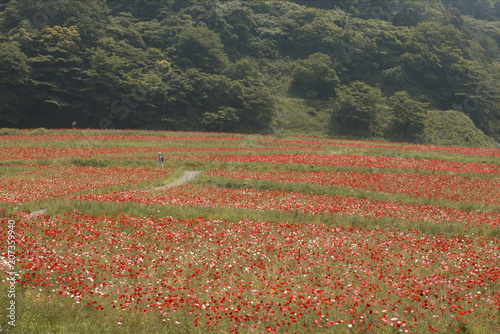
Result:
187,176
38,213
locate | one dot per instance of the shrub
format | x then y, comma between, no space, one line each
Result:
452,128
39,131
8,131
93,162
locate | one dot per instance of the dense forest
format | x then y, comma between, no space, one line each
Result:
372,69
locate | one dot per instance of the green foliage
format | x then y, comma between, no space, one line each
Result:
222,120
295,116
434,58
482,100
93,162
8,131
57,38
409,116
452,128
411,13
245,70
201,48
433,45
108,80
14,71
13,65
314,77
356,106
39,131
309,31
222,65
216,103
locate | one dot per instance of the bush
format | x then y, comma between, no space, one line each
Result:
314,77
39,131
453,128
8,131
92,162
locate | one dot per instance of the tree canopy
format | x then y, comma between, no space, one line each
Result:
377,67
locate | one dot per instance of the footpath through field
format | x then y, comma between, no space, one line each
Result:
187,176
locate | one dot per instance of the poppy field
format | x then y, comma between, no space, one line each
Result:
276,235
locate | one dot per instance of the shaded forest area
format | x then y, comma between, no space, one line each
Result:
370,69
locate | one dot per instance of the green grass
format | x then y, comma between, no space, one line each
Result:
453,128
293,116
63,315
339,191
91,208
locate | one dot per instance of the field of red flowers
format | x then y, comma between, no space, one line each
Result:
450,187
33,182
314,204
165,268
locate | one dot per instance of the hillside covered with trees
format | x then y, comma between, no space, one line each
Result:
395,70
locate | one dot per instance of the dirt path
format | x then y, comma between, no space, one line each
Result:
187,176
38,213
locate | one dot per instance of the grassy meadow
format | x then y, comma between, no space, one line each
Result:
288,234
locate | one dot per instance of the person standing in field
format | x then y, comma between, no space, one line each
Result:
160,160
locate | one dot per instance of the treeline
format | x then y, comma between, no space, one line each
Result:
375,68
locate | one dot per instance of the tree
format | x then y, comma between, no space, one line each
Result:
314,77
408,117
455,18
482,101
257,109
58,41
223,120
218,65
245,70
197,100
356,108
320,35
241,23
411,13
433,52
14,70
201,48
496,9
434,60
89,17
56,77
109,86
202,101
